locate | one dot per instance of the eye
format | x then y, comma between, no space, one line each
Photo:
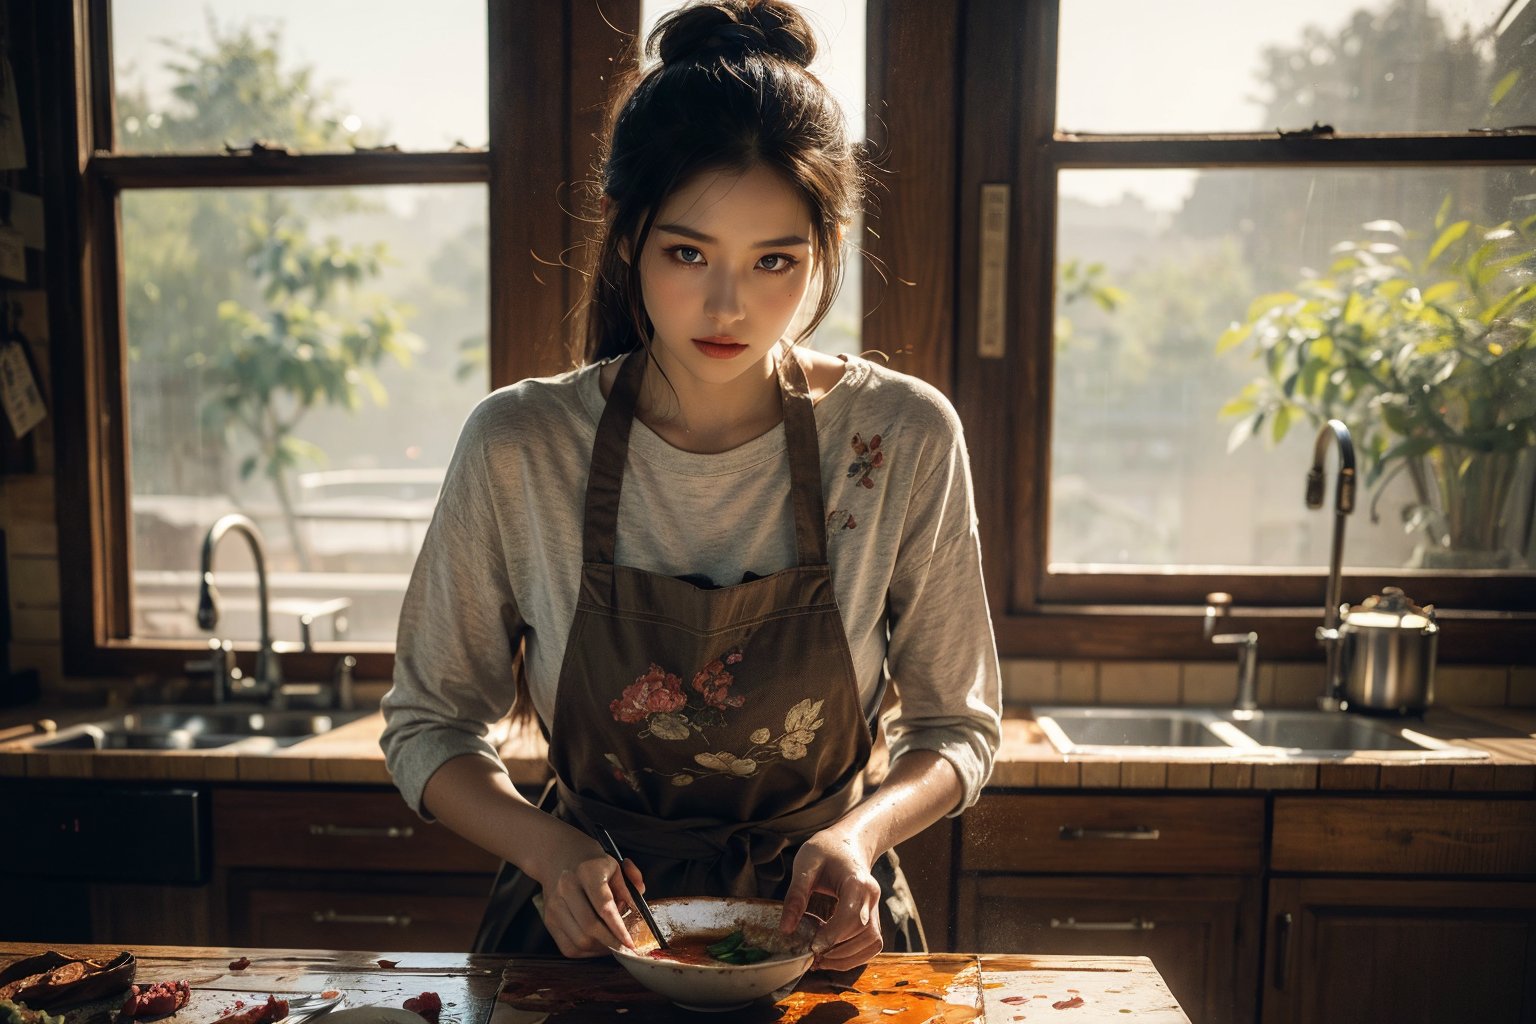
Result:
686,254
777,263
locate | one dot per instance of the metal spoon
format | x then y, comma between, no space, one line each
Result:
645,910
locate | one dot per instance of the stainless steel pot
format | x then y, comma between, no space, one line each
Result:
1388,654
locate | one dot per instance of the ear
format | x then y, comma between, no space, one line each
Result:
608,210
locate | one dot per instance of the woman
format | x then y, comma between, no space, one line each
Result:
711,548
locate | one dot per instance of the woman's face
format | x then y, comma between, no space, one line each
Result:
723,271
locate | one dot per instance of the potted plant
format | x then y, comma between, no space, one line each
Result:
1425,344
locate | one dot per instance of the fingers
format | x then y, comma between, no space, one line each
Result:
581,910
851,935
848,955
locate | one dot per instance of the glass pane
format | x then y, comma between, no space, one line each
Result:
839,25
1202,316
305,357
193,75
1243,65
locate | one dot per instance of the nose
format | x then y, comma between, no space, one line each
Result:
723,302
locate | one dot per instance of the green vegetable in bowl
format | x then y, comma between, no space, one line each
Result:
732,950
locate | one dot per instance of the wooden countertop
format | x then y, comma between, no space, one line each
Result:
950,987
350,755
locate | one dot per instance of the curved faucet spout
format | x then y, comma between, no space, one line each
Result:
1343,505
269,673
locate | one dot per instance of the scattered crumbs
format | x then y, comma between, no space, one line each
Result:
388,964
240,964
1068,1004
890,1012
1072,990
1042,997
991,984
1113,991
1018,1016
899,984
1125,1011
1015,999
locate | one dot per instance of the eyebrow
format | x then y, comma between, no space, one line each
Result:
699,236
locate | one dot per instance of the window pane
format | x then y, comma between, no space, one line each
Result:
191,75
305,357
839,26
1242,65
1401,301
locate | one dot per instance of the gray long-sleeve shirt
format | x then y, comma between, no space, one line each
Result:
501,562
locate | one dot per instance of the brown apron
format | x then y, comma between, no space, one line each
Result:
711,730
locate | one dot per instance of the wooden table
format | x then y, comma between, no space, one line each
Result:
940,988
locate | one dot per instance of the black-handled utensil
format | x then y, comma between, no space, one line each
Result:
645,910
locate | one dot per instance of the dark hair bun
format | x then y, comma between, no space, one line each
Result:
734,28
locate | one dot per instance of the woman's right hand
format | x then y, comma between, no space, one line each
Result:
583,891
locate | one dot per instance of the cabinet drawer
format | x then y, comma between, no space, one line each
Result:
330,919
1404,836
334,830
1137,834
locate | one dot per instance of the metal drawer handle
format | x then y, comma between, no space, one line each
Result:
363,831
1134,832
1282,948
1072,924
390,920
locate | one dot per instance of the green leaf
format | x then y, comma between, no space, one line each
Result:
1440,292
1514,300
1282,423
1237,407
1502,87
1233,336
1264,303
1243,430
1447,238
1444,212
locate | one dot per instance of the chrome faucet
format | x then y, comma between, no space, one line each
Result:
1218,606
268,680
1343,505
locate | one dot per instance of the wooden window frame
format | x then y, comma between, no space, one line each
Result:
547,79
1010,51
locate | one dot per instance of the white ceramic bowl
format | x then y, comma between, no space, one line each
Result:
715,986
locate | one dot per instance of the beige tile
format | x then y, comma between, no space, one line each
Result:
1471,685
1522,686
1139,682
1209,682
1078,682
1030,681
1298,685
1100,774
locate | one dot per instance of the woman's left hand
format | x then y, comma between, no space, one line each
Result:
833,865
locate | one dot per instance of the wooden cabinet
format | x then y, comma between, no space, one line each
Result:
1351,949
344,869
1172,878
1450,935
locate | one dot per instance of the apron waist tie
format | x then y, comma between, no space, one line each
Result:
738,854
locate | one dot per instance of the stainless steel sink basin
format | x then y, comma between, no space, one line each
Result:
1223,733
254,730
1328,731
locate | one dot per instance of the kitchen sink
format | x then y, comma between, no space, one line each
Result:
253,730
1224,733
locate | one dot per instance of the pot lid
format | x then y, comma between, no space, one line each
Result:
1390,609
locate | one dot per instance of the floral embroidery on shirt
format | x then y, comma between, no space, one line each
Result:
867,458
840,519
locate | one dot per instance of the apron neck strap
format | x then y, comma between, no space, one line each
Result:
610,450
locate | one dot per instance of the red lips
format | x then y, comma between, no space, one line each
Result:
719,347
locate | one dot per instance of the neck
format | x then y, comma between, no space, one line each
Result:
699,416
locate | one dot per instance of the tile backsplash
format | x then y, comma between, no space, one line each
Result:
1281,684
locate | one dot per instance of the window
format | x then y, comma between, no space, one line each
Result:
1237,221
293,224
